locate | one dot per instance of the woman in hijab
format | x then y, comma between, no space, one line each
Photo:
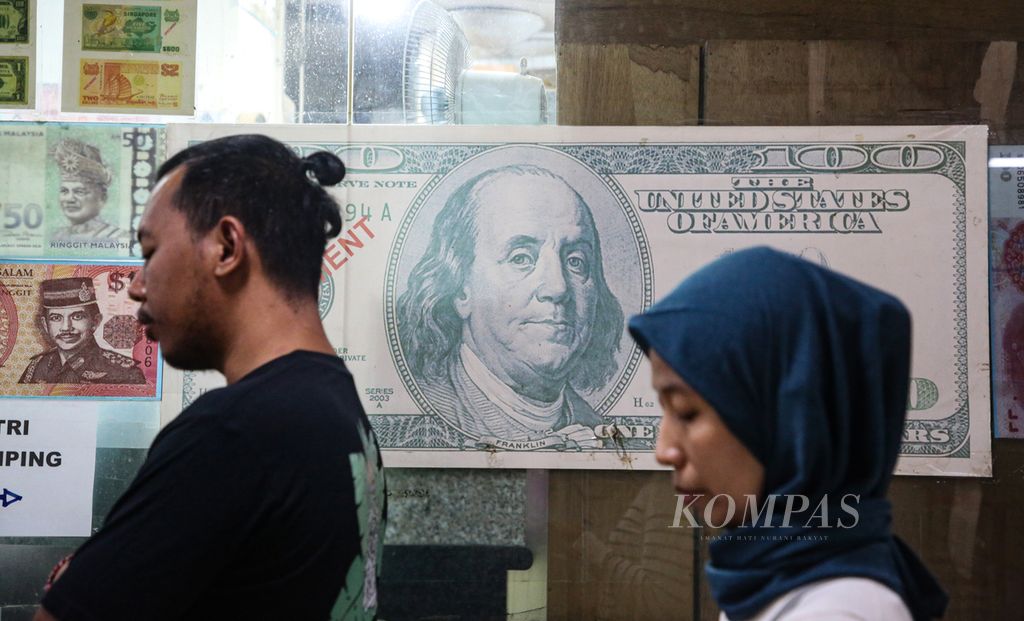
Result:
784,382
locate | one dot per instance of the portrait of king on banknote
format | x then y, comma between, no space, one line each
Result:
68,318
84,183
507,323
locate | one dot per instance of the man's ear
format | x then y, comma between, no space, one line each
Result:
461,303
226,245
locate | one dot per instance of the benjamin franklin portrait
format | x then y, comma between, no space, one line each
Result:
507,321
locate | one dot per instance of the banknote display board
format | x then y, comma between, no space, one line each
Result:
1006,209
77,372
129,58
75,191
480,288
18,28
70,330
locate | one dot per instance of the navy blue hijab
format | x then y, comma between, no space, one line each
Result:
810,370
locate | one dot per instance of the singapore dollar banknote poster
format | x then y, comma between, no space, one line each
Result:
480,290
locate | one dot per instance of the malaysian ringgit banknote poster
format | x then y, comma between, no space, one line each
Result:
18,28
1006,210
70,330
75,191
129,58
480,289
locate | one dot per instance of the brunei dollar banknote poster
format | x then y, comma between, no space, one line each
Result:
480,290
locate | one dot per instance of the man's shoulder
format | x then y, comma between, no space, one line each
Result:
112,358
277,398
38,363
110,366
49,353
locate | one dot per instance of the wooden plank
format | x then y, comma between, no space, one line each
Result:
680,22
845,82
628,84
611,553
756,83
1013,130
970,533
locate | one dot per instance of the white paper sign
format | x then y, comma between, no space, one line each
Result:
47,463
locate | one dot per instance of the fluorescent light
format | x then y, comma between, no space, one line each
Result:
1006,162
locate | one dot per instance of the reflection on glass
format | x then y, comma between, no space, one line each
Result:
454,61
286,61
258,61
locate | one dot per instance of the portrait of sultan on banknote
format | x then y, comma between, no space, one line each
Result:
513,284
85,180
70,330
81,188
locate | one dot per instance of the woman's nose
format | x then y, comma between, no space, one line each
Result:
667,452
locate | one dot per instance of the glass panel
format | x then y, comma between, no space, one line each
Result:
454,62
259,61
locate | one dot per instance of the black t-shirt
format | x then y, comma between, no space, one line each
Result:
262,500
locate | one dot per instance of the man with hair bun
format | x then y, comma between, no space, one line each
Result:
253,503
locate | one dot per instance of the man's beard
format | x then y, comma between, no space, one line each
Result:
200,347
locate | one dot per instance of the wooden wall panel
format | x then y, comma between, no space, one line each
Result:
628,84
1013,130
679,22
970,533
612,554
844,82
795,62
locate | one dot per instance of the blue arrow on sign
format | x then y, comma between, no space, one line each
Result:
9,497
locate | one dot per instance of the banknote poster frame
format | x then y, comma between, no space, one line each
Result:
956,442
23,53
1006,213
61,392
121,161
180,59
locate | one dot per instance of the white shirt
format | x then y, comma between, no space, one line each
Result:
836,599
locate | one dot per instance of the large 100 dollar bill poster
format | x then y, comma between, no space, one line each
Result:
480,290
